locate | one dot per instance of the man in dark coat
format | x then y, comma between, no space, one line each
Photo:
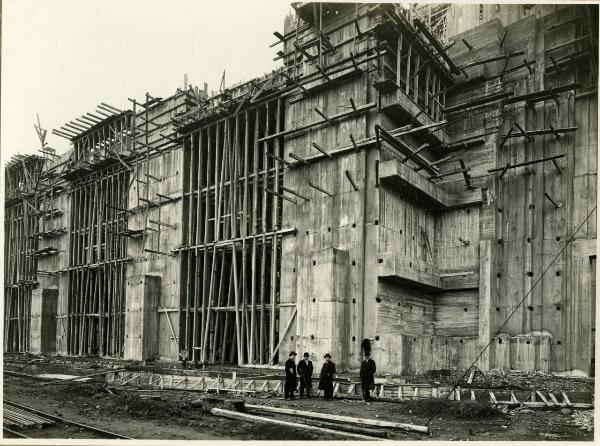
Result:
326,378
367,376
290,376
305,370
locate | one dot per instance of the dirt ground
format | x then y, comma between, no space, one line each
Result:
169,414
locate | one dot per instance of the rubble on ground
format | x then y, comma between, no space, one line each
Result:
513,380
584,419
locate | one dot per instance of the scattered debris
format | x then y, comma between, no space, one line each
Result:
513,380
584,419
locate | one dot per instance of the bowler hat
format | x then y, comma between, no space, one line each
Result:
327,355
292,353
306,355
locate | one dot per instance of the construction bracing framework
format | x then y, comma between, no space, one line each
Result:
435,16
97,179
19,274
20,263
232,237
97,261
112,135
109,156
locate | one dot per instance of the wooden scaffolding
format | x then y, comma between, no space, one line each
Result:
232,232
98,189
21,249
97,264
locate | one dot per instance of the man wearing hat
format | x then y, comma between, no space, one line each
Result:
326,378
305,370
290,376
367,376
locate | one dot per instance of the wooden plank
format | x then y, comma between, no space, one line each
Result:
274,242
408,60
77,378
200,236
237,313
254,418
282,335
399,61
253,254
543,398
263,258
416,79
340,418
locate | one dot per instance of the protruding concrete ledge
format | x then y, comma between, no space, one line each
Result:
585,247
399,104
396,174
408,269
422,274
460,280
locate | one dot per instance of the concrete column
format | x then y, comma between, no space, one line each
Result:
43,321
579,337
371,234
35,329
141,317
485,299
323,326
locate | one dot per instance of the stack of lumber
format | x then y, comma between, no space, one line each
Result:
16,417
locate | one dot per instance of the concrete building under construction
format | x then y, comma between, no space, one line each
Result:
417,180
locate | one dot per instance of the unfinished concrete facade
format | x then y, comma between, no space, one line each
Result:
405,179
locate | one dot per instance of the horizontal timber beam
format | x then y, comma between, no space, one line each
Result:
512,166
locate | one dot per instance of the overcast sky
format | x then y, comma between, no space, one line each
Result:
60,58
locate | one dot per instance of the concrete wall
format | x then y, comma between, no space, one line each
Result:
57,262
521,229
141,317
323,313
553,328
43,321
464,17
344,222
168,168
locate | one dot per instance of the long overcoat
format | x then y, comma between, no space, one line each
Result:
290,373
367,374
326,378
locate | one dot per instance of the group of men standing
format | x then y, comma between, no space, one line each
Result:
304,370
